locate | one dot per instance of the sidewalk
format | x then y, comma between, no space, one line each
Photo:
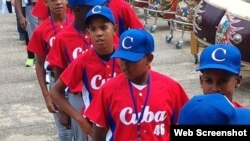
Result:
23,114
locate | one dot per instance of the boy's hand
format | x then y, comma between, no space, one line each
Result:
64,119
23,22
13,2
52,108
86,127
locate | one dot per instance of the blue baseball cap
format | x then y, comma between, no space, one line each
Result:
134,45
242,117
73,3
100,10
212,109
221,56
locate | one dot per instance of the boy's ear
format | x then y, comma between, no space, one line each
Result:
201,80
150,58
238,81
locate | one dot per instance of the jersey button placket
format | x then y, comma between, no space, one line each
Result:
108,71
140,93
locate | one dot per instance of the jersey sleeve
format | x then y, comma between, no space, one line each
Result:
130,19
40,10
73,74
37,45
56,56
97,110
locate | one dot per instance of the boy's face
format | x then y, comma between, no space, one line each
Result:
136,71
219,81
101,32
56,6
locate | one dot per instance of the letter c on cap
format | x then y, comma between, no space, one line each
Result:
214,52
96,9
124,40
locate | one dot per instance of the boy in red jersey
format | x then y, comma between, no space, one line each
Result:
40,44
139,104
69,44
92,68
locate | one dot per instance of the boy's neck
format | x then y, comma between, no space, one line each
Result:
142,80
58,18
105,56
105,50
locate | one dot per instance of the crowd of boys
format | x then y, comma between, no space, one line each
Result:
101,84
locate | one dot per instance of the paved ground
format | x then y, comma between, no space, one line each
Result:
23,114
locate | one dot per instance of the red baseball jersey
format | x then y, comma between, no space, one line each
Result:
44,36
90,70
125,16
69,43
119,106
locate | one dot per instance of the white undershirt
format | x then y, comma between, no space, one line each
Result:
139,87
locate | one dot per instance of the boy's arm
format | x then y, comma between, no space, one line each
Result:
40,72
22,19
57,94
57,71
99,133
